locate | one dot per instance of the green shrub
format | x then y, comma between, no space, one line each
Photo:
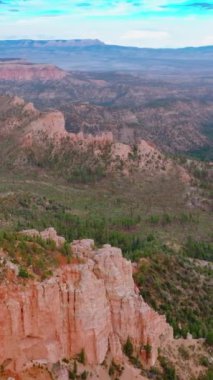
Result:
66,249
111,371
154,219
204,361
148,349
169,370
198,249
81,357
84,375
72,375
23,273
128,348
115,370
136,362
209,338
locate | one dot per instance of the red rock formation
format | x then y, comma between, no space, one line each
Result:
23,71
93,305
38,134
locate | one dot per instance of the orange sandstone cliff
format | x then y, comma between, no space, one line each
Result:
24,71
92,305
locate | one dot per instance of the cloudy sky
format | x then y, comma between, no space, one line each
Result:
148,23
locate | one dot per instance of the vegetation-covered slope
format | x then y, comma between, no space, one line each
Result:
180,288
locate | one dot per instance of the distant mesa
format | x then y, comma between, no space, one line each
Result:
56,43
76,42
20,70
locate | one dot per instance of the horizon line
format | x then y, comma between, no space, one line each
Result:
100,42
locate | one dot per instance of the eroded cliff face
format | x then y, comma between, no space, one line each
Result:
91,304
40,140
24,71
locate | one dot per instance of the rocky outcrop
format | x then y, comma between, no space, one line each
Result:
47,234
24,71
40,139
47,125
91,305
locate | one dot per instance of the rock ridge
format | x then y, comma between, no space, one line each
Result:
91,304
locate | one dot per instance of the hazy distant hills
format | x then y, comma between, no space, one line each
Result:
94,55
48,43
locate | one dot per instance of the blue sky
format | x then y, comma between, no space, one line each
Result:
149,23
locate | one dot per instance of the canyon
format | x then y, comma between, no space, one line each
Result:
112,147
172,110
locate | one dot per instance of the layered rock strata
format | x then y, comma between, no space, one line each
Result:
24,71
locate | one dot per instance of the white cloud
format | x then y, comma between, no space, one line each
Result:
130,31
208,40
146,35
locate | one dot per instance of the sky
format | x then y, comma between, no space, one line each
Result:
143,23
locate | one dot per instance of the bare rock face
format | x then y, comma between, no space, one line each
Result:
24,71
50,124
91,304
48,234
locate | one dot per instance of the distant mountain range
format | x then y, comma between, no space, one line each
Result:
57,43
94,55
